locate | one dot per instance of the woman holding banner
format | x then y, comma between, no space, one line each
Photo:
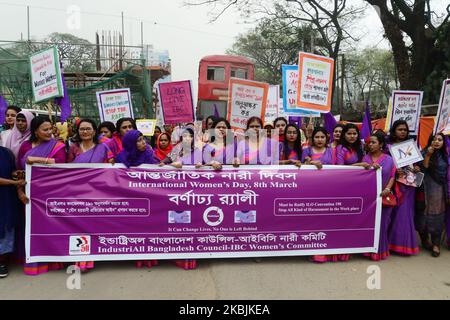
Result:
430,216
292,146
10,206
318,153
136,152
280,125
255,149
42,149
349,152
220,148
378,159
402,233
87,148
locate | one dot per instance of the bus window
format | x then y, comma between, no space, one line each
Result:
216,74
239,73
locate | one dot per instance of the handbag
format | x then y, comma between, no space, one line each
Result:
389,200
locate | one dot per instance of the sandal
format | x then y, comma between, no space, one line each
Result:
435,253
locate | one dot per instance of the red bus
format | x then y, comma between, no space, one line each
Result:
214,75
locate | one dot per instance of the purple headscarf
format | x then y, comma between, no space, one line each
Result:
130,155
16,138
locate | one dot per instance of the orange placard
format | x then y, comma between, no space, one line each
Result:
315,82
246,99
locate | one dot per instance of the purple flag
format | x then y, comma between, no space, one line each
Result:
366,129
216,112
296,120
3,107
330,123
64,102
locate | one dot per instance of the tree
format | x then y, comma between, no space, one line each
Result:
270,44
76,54
372,70
332,20
420,43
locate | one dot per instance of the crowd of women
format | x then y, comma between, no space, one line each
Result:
407,210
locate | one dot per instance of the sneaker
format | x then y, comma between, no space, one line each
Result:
3,271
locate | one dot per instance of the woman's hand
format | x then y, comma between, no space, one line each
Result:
112,161
236,163
430,150
23,197
20,183
177,165
416,169
385,192
216,165
365,165
376,166
296,163
317,163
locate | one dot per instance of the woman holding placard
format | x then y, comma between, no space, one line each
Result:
402,233
430,217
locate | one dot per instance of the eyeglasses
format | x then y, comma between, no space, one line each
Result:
127,127
85,129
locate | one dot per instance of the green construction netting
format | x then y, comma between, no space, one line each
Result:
15,85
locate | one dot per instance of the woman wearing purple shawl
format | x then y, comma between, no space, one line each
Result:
136,152
87,148
256,149
20,132
220,148
41,148
318,153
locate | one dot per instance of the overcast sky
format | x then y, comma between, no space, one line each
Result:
184,31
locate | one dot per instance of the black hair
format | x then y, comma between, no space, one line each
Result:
77,137
297,143
380,137
214,125
12,107
279,119
324,131
108,125
252,119
357,145
395,125
122,120
191,132
35,124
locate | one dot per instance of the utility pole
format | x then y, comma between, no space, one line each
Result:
28,22
123,30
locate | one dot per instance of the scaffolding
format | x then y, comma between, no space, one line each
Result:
88,68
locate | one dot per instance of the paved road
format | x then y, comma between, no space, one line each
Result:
420,277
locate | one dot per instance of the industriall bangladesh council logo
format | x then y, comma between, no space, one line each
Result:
80,245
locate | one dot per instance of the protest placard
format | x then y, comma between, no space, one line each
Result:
273,98
290,86
246,99
46,81
405,153
406,105
443,113
315,82
176,100
114,104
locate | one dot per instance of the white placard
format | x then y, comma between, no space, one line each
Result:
443,113
272,104
405,153
46,82
114,104
406,105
